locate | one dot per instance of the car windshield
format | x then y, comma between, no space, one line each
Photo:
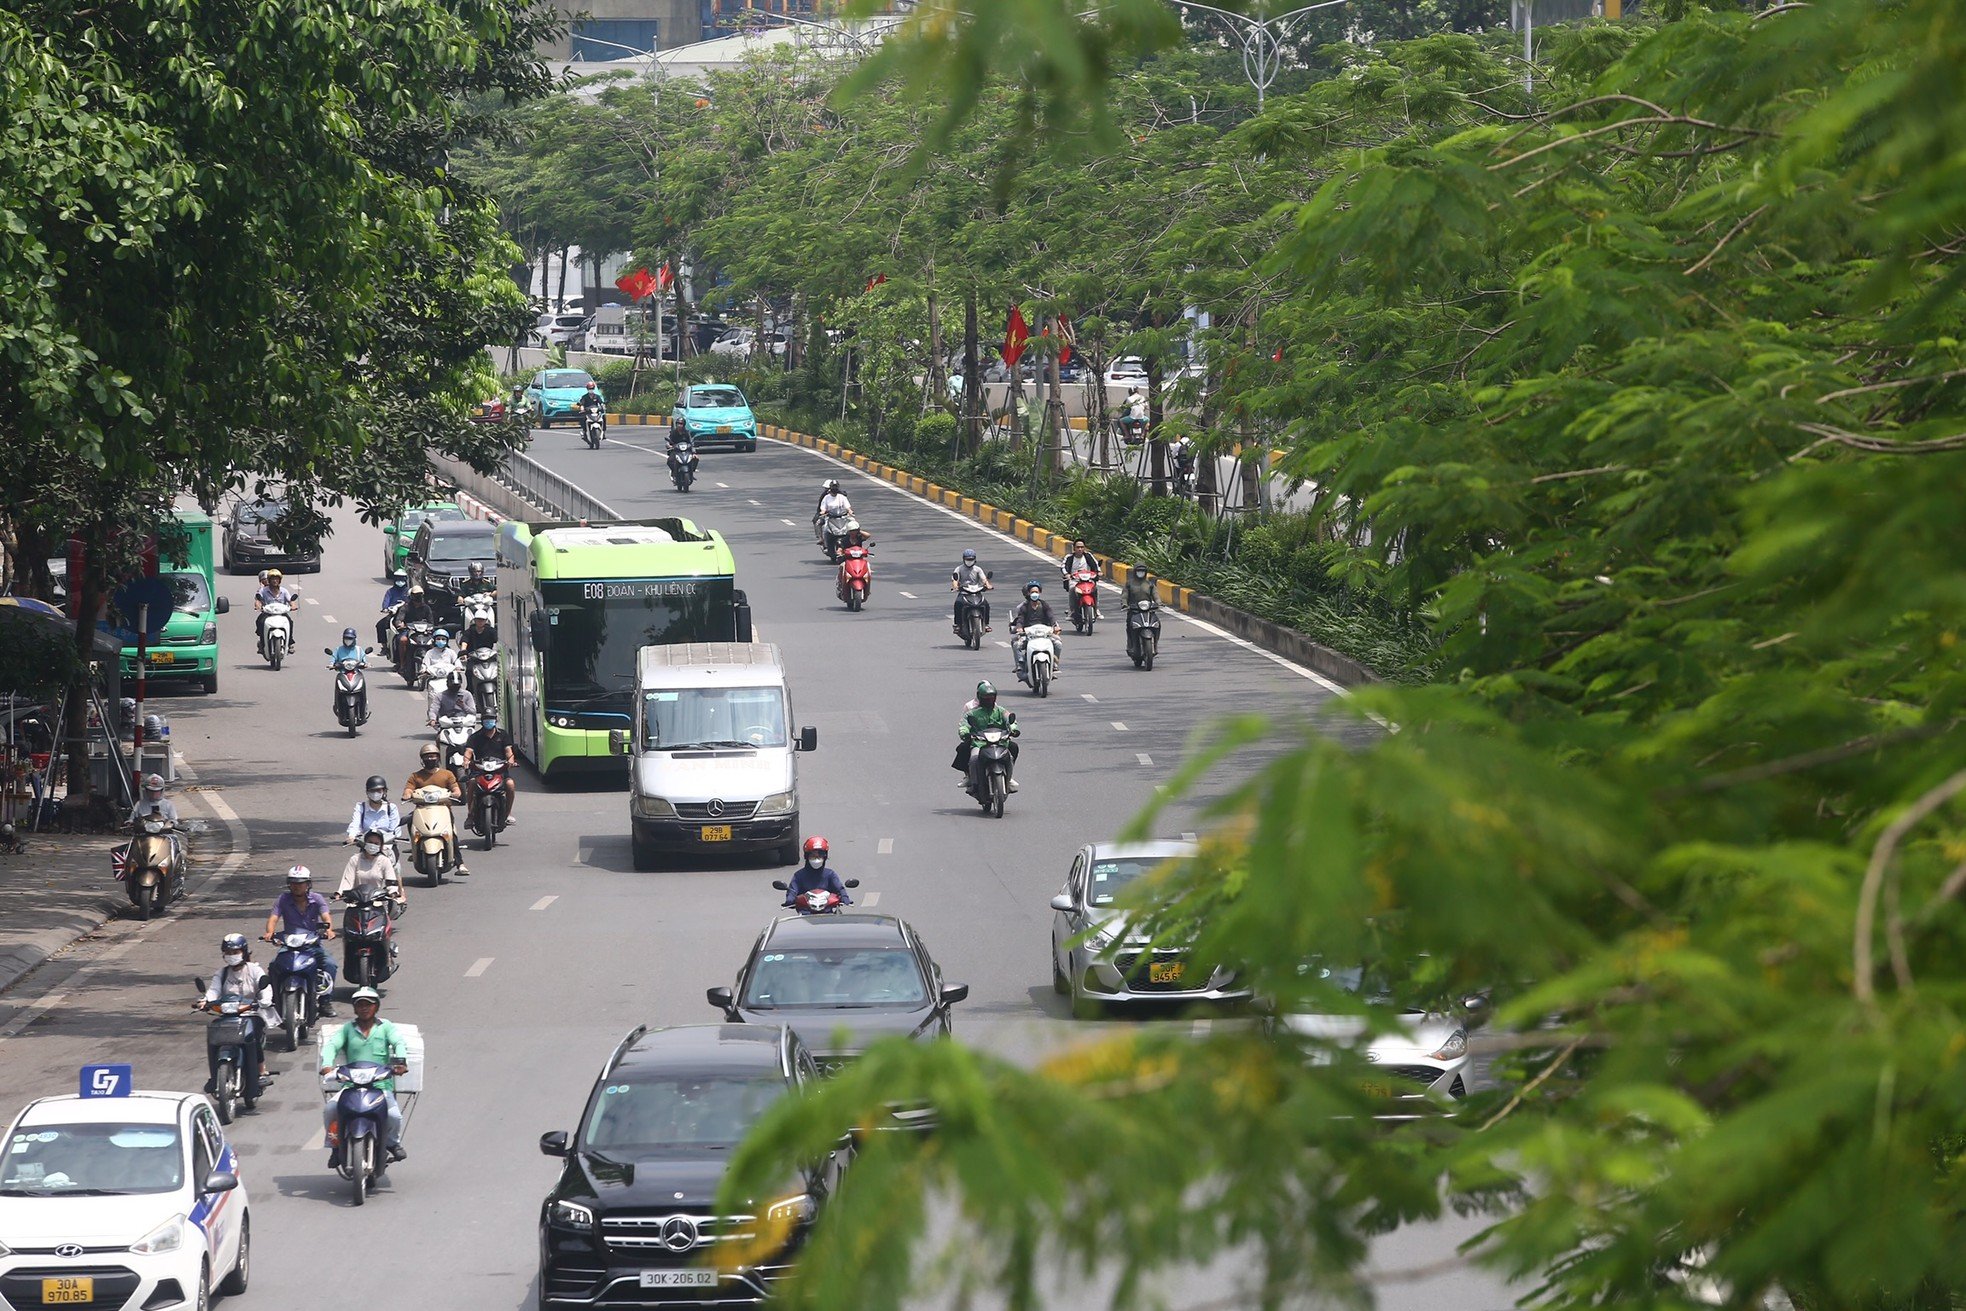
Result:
1110,878
261,512
714,716
189,594
1418,987
650,1112
462,548
853,976
716,397
45,1160
565,378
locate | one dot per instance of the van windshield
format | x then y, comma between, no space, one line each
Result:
714,716
189,595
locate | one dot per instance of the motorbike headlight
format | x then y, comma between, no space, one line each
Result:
1454,1048
166,1237
570,1215
654,808
796,1209
208,635
779,803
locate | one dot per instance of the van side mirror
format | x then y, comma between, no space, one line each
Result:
618,741
553,1144
224,605
718,997
808,738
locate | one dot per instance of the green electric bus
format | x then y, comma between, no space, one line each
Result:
576,602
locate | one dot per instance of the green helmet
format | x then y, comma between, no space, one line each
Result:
986,694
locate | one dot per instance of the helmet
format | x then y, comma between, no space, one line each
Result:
969,557
429,751
591,386
832,484
399,576
456,683
348,636
375,833
300,874
376,783
416,589
232,942
1032,587
153,785
477,569
274,576
817,846
986,694
1139,571
481,618
442,636
366,994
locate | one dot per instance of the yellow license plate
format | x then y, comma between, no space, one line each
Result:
723,427
1168,973
162,657
716,833
68,1291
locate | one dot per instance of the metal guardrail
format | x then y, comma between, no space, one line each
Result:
525,488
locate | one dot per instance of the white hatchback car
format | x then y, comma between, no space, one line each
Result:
1426,1054
131,1201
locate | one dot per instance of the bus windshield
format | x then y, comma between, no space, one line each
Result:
590,659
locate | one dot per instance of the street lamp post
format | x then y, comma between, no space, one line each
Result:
1261,40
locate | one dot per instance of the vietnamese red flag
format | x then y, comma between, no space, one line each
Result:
663,277
1066,339
636,283
876,281
1016,333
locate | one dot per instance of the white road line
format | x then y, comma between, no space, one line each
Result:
1119,727
1143,757
329,618
478,967
911,596
1005,645
32,1009
788,523
886,848
871,900
760,504
631,446
1087,696
311,600
317,1142
725,486
544,902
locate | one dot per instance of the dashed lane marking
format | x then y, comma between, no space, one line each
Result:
871,900
911,596
755,502
1087,696
1188,837
317,1142
1143,757
478,967
1005,645
788,523
1118,727
329,618
544,902
886,848
311,600
725,486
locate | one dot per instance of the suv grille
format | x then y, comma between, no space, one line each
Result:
678,1234
727,810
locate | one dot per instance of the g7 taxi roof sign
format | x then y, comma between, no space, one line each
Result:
107,1080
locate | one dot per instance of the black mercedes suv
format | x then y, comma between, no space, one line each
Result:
633,1220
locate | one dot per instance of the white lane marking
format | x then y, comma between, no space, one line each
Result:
1005,645
544,902
886,848
633,447
329,618
1143,757
1118,727
1188,837
725,486
317,1142
788,523
756,503
1087,696
29,1011
311,600
911,596
871,900
478,967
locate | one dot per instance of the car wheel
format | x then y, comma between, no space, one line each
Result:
204,1298
1059,983
242,1270
641,850
210,682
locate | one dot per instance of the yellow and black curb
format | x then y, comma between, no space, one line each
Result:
1286,642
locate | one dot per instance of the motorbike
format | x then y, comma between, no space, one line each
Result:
1085,599
1143,633
593,427
150,866
368,936
431,665
1133,431
276,634
477,603
972,603
481,675
1040,643
453,731
816,901
432,835
298,983
351,690
230,1034
830,528
413,641
989,767
1184,476
683,462
856,580
484,795
361,1115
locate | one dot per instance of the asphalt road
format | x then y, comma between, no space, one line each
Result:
525,975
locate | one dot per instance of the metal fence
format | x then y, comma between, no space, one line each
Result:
524,488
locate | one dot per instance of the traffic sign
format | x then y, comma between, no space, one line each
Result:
106,1080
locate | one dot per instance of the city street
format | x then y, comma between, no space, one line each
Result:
525,975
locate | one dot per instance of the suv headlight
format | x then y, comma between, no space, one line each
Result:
779,803
570,1215
654,808
796,1209
1454,1048
166,1237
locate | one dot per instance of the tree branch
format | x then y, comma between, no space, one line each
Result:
1863,967
1732,233
1828,436
1811,759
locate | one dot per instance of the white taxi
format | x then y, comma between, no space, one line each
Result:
129,1200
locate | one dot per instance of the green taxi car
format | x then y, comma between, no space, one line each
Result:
398,534
715,414
555,394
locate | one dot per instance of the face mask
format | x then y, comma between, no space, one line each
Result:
235,957
375,797
815,862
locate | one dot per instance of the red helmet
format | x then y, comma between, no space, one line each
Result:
817,846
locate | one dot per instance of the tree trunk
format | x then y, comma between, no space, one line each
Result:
1054,406
1157,446
937,386
87,595
972,415
560,296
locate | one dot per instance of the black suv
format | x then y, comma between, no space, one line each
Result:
633,1220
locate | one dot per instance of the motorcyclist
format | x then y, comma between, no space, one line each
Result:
272,590
433,774
452,697
814,872
375,811
300,909
439,663
979,715
1183,454
475,583
491,742
417,609
1035,610
372,866
1080,558
832,504
241,978
1135,417
1139,587
592,405
678,448
397,593
373,1040
480,636
970,572
350,649
154,802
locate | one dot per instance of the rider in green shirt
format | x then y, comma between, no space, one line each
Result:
370,1039
978,715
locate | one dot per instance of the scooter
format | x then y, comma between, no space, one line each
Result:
683,462
230,1034
481,675
1143,633
1040,643
368,935
439,664
150,865
453,731
298,982
1085,599
484,793
816,901
276,634
412,641
433,838
592,429
856,580
989,767
351,690
361,1113
830,528
478,603
972,603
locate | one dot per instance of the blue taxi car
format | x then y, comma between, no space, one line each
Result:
715,414
555,394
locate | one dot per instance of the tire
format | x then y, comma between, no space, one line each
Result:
751,447
853,600
360,972
146,900
641,851
1059,983
1041,679
973,635
490,821
290,1019
354,724
276,651
241,1273
210,684
359,1167
204,1299
996,795
225,1098
1147,657
544,422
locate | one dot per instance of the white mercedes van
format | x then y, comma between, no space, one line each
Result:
712,758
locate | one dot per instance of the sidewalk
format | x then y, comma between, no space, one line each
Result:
60,888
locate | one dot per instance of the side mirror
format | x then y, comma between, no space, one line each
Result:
553,1144
1063,901
219,1181
808,738
718,997
618,741
389,529
368,650
853,883
327,650
542,633
776,883
1474,1003
989,575
953,993
224,605
1013,716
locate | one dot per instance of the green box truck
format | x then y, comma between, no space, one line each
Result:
188,647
